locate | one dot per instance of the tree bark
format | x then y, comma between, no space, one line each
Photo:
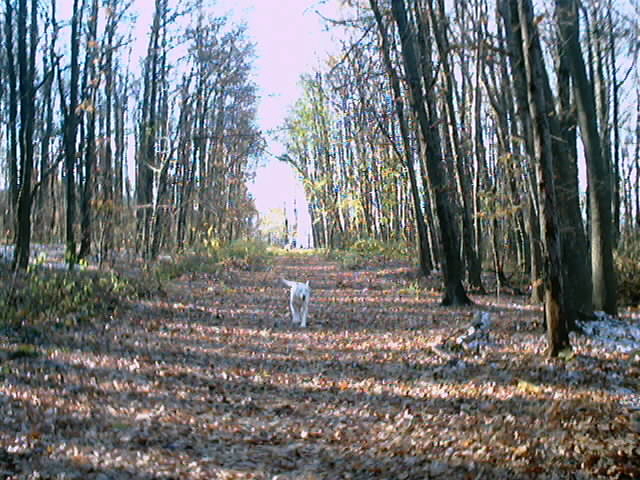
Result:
12,127
555,312
70,133
148,129
439,24
615,120
106,234
603,273
26,70
578,290
518,16
89,102
455,293
423,246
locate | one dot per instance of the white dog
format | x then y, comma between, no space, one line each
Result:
299,301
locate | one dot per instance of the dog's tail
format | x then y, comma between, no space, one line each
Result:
288,283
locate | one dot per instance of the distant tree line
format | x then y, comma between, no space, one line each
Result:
458,127
103,150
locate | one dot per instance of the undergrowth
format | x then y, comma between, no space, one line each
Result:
294,252
29,300
627,261
170,268
42,297
241,254
369,251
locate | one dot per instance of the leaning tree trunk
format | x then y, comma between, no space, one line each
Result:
575,248
603,273
521,16
455,293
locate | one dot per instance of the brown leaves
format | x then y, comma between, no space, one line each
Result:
215,382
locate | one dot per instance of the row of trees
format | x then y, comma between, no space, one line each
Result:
105,147
460,127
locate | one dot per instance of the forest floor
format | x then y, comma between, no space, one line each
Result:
212,380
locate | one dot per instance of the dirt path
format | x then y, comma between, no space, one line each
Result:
340,299
214,381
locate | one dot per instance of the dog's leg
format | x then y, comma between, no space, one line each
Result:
305,309
294,312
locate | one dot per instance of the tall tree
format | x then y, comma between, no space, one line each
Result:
578,290
439,26
519,19
90,82
154,77
598,174
424,105
106,159
12,90
27,75
394,80
71,114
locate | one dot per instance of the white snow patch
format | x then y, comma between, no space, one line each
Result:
6,253
49,256
477,335
612,334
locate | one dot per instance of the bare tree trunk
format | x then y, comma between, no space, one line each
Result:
163,179
106,243
122,189
556,318
89,100
70,132
636,158
159,207
474,268
455,293
518,15
12,127
46,178
519,89
604,278
87,188
149,128
578,288
27,70
615,100
423,247
536,273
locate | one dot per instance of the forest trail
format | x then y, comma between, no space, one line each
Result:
341,299
211,380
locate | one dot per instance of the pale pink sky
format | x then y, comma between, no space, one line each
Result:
291,40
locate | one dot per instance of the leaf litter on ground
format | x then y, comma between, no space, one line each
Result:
214,381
